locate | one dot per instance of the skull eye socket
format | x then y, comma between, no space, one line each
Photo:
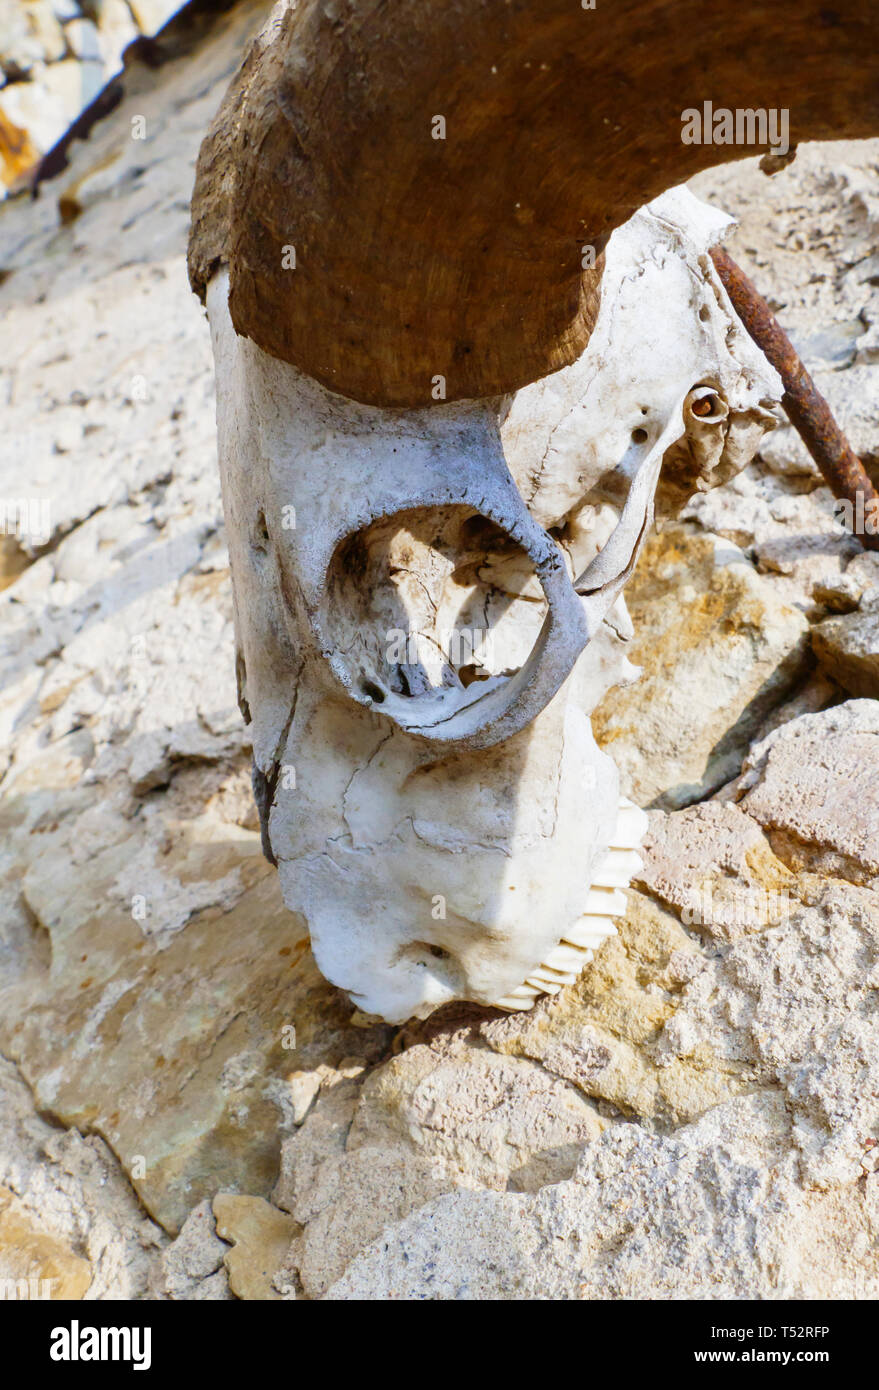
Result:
705,405
429,602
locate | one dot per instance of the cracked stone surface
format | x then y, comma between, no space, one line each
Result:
696,1117
710,1212
711,634
847,647
811,784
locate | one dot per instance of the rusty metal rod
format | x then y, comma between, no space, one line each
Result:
806,408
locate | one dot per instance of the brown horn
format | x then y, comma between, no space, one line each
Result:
462,257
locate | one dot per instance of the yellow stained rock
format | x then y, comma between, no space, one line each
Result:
260,1235
40,1264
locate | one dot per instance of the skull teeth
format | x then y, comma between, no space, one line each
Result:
545,983
565,958
631,827
589,932
525,992
552,976
604,901
618,868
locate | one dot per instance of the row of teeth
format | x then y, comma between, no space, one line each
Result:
606,900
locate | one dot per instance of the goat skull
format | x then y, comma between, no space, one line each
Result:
428,607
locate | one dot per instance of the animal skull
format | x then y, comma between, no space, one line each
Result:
429,606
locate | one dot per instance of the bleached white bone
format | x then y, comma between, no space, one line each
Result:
439,811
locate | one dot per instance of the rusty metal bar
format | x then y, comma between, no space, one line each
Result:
806,408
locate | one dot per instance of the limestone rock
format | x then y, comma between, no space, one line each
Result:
29,34
357,1196
713,866
70,86
192,1266
33,117
82,36
31,1256
57,57
795,1004
820,213
792,535
849,394
812,785
154,990
302,1086
775,1170
493,1118
71,1190
816,693
848,650
177,1052
853,586
116,30
424,1256
712,1212
342,1201
260,1236
717,649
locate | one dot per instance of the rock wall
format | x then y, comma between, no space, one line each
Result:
696,1117
56,56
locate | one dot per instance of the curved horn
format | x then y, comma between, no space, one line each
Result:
461,256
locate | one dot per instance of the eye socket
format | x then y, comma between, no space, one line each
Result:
705,403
